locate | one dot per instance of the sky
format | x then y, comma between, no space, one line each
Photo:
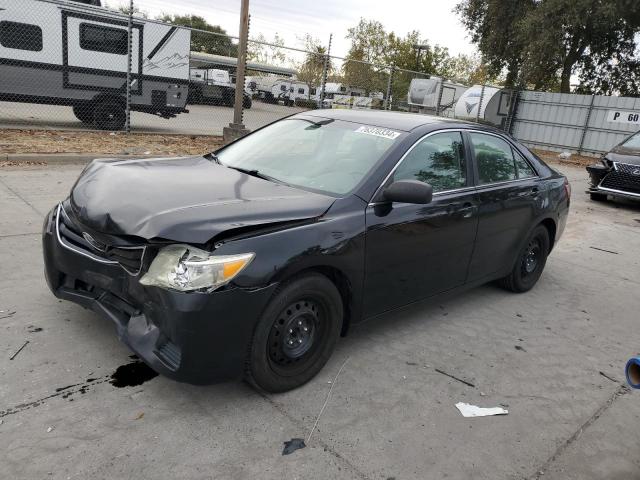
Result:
291,19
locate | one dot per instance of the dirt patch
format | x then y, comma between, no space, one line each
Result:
113,143
554,157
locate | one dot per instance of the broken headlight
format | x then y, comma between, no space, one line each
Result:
186,268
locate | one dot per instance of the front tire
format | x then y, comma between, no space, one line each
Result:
296,334
530,264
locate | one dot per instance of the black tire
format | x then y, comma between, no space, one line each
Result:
530,264
109,115
84,113
598,197
296,334
246,102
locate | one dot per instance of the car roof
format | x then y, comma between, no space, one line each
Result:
385,119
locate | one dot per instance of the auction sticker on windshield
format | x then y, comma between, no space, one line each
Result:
379,132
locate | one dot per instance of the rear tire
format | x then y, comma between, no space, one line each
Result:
598,197
109,115
296,334
530,264
84,113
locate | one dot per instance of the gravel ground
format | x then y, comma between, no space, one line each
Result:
553,356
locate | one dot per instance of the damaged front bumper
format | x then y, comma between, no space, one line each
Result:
197,338
618,180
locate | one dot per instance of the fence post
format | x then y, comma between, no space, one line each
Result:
127,124
480,105
236,129
325,72
586,125
440,97
387,105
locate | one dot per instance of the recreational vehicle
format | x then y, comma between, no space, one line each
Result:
76,54
485,104
215,86
434,95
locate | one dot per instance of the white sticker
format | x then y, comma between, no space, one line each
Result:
617,116
379,132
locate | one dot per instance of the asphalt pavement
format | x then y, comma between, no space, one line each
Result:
554,357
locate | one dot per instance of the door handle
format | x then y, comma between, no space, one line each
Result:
467,210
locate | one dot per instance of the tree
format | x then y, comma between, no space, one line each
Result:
311,69
543,43
218,42
271,54
494,26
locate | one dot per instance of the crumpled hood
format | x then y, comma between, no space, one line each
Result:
183,199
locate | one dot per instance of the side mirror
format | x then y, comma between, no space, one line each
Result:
408,191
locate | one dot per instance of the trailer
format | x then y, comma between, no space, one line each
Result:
214,86
485,104
76,54
434,95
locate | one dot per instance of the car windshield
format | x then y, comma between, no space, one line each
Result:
633,142
330,156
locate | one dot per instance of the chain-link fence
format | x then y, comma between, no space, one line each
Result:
71,65
76,66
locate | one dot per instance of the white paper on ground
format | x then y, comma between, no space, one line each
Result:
473,411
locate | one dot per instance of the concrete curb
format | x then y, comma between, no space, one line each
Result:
66,158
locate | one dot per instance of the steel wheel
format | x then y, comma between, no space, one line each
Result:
296,334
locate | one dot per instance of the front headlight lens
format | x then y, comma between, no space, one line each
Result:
186,268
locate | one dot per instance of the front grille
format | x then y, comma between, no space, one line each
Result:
72,236
623,178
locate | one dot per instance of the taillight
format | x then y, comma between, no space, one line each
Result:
567,187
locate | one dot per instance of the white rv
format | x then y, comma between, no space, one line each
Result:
71,53
490,105
425,93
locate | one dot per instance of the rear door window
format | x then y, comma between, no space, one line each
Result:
494,159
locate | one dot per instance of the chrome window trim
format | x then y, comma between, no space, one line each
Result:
462,189
513,147
89,255
395,167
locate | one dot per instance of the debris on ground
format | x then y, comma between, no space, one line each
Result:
50,429
139,416
603,250
565,155
455,378
468,410
293,445
19,350
4,314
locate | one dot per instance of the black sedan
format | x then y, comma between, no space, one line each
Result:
253,260
619,173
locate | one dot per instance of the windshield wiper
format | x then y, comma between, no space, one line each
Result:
253,173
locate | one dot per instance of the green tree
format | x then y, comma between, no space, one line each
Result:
220,44
271,54
311,68
543,43
494,26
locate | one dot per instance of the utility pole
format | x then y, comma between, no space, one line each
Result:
236,129
127,123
